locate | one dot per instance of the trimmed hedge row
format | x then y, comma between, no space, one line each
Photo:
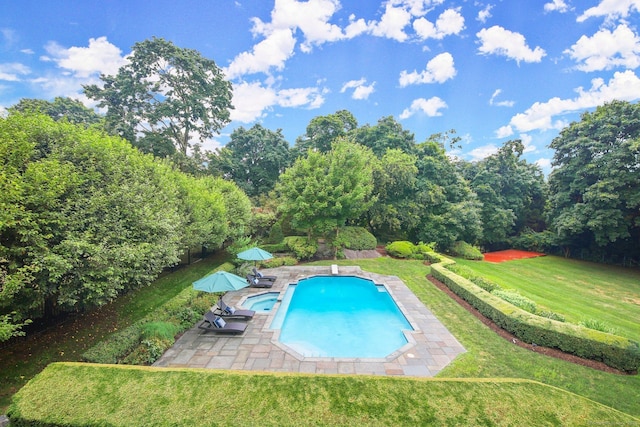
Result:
615,351
133,345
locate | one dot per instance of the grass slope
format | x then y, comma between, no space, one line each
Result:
578,290
67,341
78,394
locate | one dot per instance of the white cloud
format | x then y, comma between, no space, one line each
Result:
499,41
624,86
485,14
526,142
13,72
483,152
431,107
27,51
392,24
504,132
438,70
606,50
361,89
556,6
273,51
493,101
545,164
611,9
311,17
448,23
252,100
83,62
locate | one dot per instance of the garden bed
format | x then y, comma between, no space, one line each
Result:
509,255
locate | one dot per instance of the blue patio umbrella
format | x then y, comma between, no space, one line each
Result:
255,254
220,281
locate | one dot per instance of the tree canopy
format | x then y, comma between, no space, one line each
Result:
322,191
86,217
253,159
595,186
164,93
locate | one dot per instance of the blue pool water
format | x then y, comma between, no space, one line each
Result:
330,316
262,303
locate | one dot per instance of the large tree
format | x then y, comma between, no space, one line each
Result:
322,191
253,159
395,210
323,130
450,210
512,192
385,134
595,186
165,93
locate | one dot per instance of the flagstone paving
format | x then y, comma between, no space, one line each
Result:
430,345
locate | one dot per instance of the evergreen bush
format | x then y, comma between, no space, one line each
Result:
400,249
302,247
466,251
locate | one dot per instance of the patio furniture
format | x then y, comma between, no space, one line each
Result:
254,282
259,275
216,324
230,312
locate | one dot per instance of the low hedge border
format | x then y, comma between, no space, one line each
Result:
615,351
129,345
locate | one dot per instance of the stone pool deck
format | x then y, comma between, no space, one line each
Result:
429,349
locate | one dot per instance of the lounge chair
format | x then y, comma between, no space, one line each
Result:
254,282
218,325
227,311
259,275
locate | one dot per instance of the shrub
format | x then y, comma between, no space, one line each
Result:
116,346
425,248
469,274
148,351
356,238
466,251
615,351
160,330
275,247
551,315
275,234
597,325
280,261
400,249
516,299
302,247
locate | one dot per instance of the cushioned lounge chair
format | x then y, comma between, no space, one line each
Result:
254,282
218,325
227,311
259,275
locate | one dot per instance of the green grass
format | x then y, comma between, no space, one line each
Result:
488,357
578,290
67,342
75,394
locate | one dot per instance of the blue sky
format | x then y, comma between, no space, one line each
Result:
492,70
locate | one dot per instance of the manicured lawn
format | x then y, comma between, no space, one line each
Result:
67,341
490,356
358,399
578,290
68,394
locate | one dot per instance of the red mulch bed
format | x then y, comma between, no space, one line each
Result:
553,352
510,254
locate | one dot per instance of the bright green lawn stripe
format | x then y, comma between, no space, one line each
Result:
578,290
68,394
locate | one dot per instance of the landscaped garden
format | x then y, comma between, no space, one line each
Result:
488,357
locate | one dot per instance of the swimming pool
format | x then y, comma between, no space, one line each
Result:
342,317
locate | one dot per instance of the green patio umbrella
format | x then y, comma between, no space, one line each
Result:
255,254
220,281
